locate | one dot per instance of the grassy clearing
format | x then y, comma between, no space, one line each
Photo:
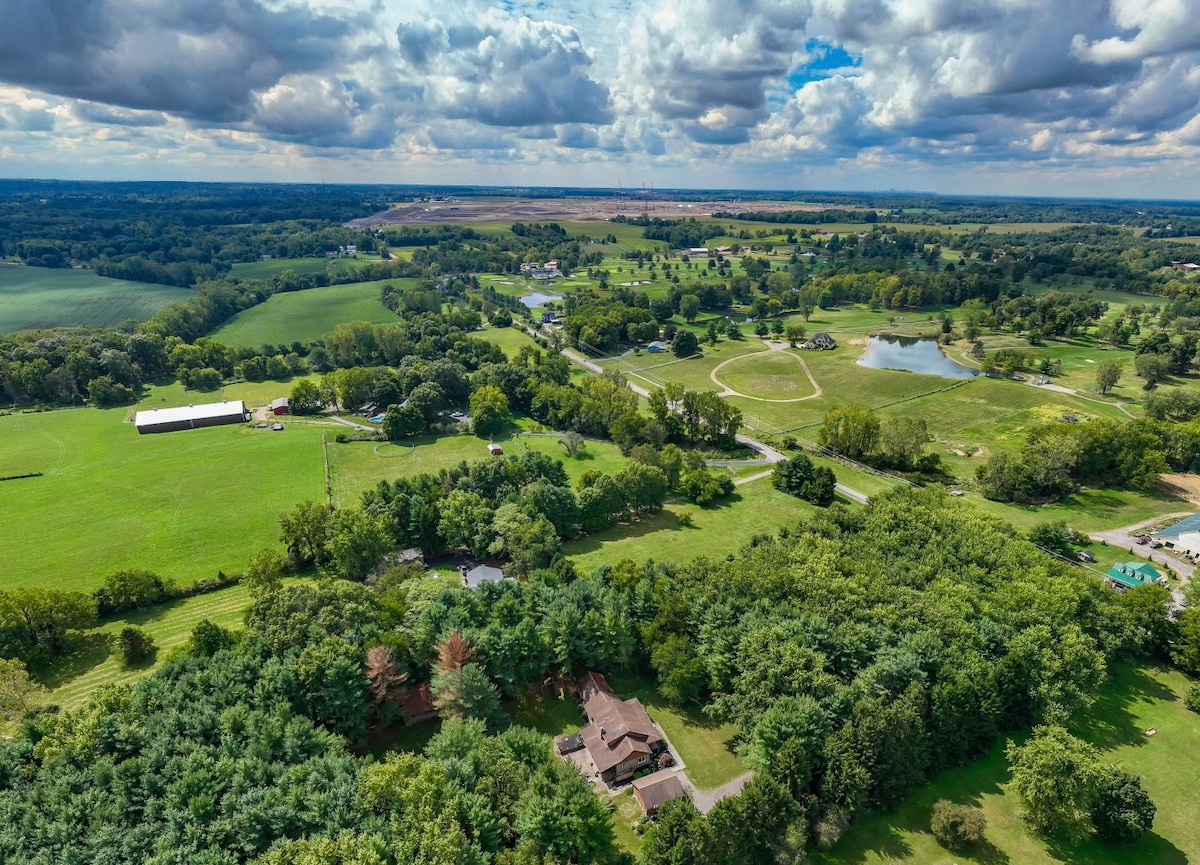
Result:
355,466
184,504
257,393
705,746
96,659
35,297
1135,700
308,315
717,530
510,339
1090,510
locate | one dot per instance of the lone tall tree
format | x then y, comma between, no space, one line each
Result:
1108,373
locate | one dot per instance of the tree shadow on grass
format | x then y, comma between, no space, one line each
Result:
661,521
85,653
1111,722
1090,851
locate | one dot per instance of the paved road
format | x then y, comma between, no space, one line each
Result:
1124,539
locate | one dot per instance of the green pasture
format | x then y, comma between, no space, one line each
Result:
37,297
308,315
184,504
717,529
356,466
273,266
1134,701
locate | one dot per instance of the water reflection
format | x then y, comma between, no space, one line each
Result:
915,355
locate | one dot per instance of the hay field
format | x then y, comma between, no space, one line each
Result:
308,315
35,297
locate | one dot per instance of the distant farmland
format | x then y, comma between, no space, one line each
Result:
33,297
308,314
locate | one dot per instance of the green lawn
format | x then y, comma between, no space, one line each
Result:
355,466
705,746
626,814
267,269
308,315
1090,510
755,508
35,297
549,714
184,504
1136,699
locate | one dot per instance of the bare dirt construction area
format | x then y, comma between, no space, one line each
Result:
558,209
1182,486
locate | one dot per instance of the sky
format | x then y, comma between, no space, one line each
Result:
1094,98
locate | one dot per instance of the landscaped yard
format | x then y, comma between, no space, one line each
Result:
1136,699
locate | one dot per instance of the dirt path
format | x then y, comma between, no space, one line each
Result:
771,346
704,801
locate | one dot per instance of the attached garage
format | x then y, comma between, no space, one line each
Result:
158,420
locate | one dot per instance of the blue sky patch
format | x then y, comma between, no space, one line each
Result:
825,59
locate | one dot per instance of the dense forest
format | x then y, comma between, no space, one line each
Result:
859,653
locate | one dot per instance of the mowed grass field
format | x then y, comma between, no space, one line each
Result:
35,297
772,375
1135,700
308,315
96,662
357,466
183,504
716,531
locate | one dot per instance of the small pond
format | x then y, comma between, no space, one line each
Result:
537,299
915,355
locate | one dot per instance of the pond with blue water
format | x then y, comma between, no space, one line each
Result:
915,355
537,299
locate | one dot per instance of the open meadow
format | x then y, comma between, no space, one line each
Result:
35,297
1135,700
307,315
183,504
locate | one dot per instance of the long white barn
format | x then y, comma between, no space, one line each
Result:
157,420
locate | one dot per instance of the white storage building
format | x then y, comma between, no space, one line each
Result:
157,420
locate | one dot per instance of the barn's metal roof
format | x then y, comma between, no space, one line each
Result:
154,416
